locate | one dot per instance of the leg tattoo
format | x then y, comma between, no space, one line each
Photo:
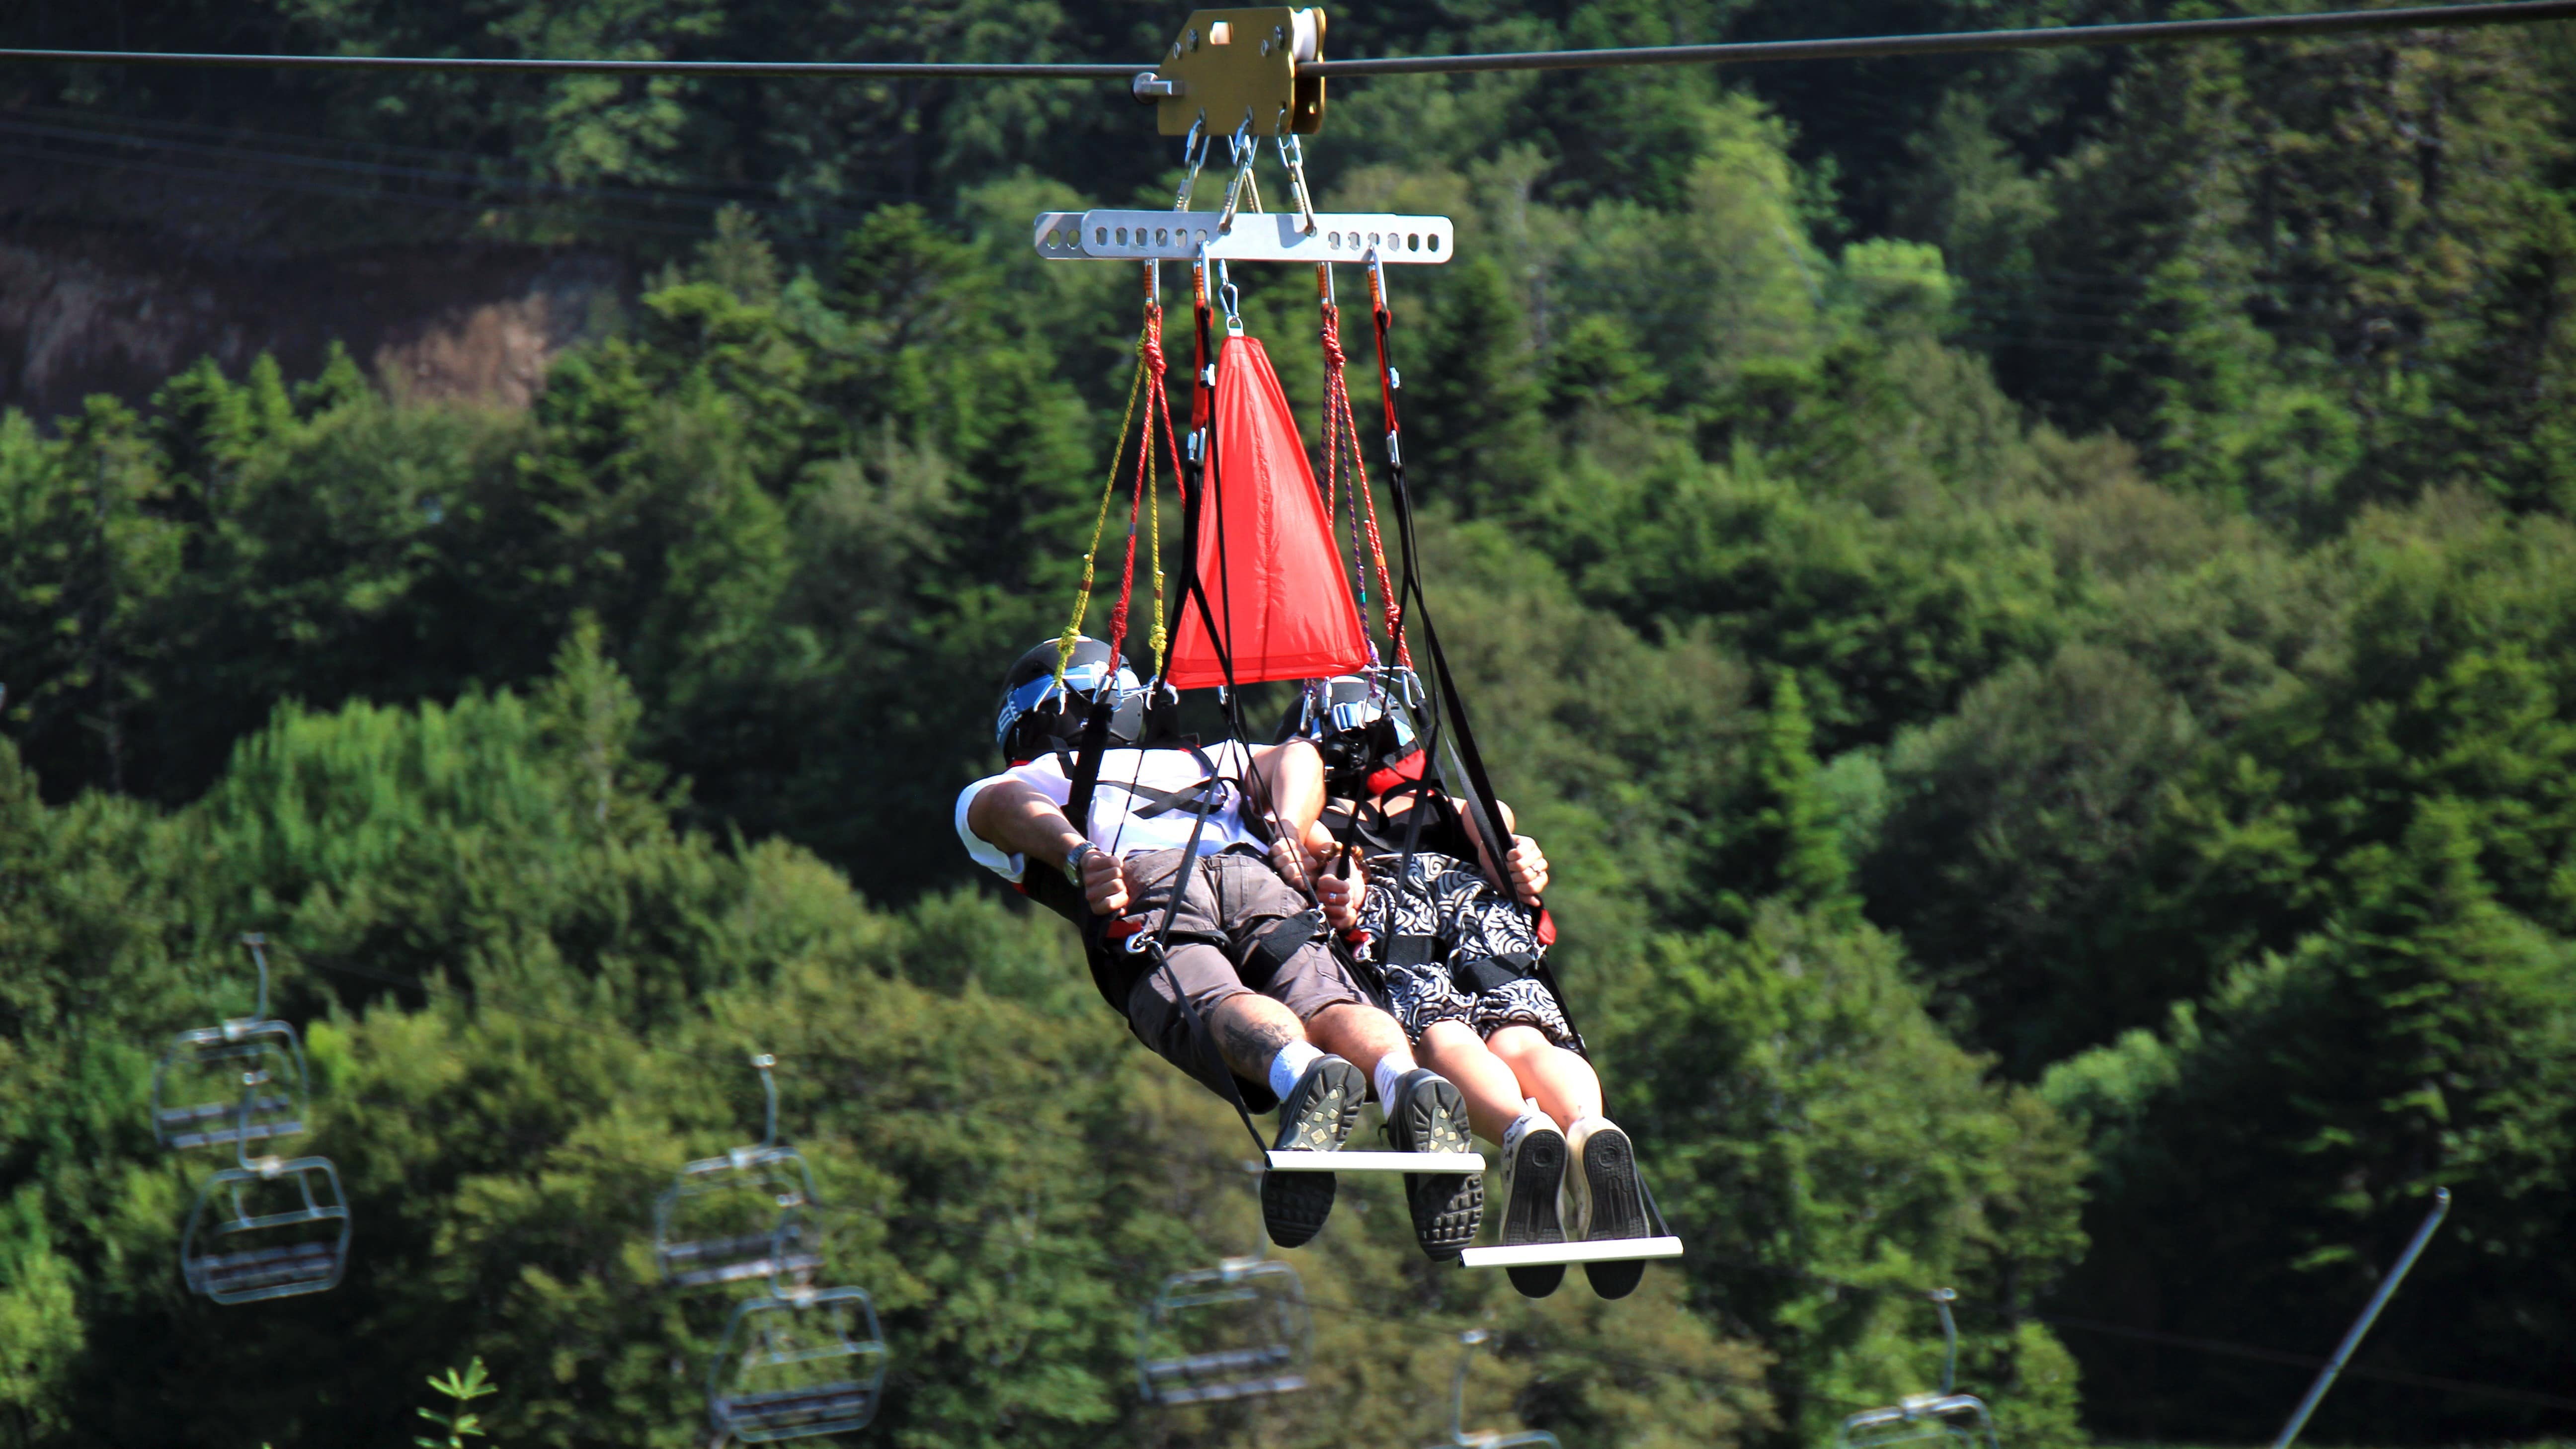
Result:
1248,1040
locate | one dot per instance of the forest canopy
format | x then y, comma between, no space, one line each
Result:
2032,601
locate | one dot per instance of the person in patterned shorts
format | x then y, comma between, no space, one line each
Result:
1456,940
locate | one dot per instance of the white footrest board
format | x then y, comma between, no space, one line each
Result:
1376,1161
1258,236
1608,1250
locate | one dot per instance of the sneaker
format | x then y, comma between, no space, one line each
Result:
1607,1201
1429,1115
1317,1116
1533,1179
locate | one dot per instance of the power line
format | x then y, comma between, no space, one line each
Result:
2304,1360
1871,47
2214,1346
660,196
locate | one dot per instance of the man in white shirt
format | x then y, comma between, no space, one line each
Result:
1267,1003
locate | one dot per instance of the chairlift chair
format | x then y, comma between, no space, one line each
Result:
1956,1419
1239,1330
723,1219
1459,1438
194,1102
268,1227
797,1361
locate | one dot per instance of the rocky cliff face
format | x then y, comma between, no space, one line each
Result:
84,312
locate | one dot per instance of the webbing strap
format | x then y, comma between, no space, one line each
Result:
1163,958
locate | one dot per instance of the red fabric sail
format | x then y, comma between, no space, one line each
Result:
1281,603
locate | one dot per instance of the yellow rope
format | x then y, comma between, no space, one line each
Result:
1154,529
1072,635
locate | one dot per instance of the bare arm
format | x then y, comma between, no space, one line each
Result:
1015,817
1288,786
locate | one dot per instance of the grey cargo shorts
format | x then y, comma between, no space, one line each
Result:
1233,897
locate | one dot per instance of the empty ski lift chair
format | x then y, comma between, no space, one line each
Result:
797,1361
196,1089
1459,1438
724,1219
267,1227
1955,1418
1239,1330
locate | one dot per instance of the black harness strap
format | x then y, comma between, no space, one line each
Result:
1159,946
1486,814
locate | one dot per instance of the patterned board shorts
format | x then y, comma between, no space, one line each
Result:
1451,902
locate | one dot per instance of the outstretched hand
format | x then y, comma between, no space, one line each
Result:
1528,869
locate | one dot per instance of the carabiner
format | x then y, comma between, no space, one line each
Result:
1244,150
1292,155
1228,300
1194,149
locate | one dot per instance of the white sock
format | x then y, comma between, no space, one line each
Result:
1289,1065
1390,1070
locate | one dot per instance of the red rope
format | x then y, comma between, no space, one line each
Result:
1341,427
1127,574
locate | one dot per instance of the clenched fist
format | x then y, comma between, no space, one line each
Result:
1528,870
1104,883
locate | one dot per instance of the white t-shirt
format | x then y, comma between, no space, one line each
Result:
1146,800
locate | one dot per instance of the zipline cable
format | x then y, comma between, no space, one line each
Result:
782,69
1857,47
1960,42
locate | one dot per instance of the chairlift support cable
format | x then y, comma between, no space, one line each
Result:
1869,47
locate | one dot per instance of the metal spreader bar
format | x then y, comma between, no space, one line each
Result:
1376,1161
1606,1250
1281,236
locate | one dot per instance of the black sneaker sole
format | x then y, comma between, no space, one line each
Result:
1447,1207
1618,1209
1529,1215
1318,1116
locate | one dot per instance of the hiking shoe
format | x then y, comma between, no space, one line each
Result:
1316,1116
1429,1115
1534,1156
1608,1201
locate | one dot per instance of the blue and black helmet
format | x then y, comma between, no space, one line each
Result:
1039,716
